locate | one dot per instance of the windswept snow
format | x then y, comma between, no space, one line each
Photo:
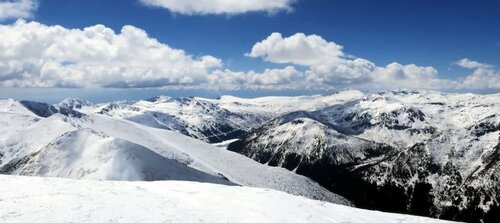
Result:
13,106
86,154
224,144
208,158
31,199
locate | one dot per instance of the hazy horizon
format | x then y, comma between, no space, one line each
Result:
53,96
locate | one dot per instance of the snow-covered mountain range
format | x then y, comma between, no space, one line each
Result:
433,154
100,147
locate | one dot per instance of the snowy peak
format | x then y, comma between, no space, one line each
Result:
292,116
45,110
159,99
41,109
273,106
194,117
297,138
74,103
87,154
13,106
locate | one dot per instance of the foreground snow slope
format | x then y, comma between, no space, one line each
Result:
32,199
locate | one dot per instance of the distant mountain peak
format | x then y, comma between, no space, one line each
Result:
159,98
74,103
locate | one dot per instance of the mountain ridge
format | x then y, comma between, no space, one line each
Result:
429,166
436,154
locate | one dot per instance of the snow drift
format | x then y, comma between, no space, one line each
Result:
31,199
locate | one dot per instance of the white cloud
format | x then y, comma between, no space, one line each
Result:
471,64
396,72
484,76
297,49
228,7
286,78
36,55
482,79
407,76
361,73
330,67
341,72
14,9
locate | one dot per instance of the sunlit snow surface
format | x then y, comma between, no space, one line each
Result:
139,137
100,147
33,199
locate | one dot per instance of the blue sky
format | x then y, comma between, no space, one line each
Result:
427,33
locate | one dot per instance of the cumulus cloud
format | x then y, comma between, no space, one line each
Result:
408,76
482,79
36,55
286,78
14,9
484,76
297,49
341,72
228,7
471,64
328,66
